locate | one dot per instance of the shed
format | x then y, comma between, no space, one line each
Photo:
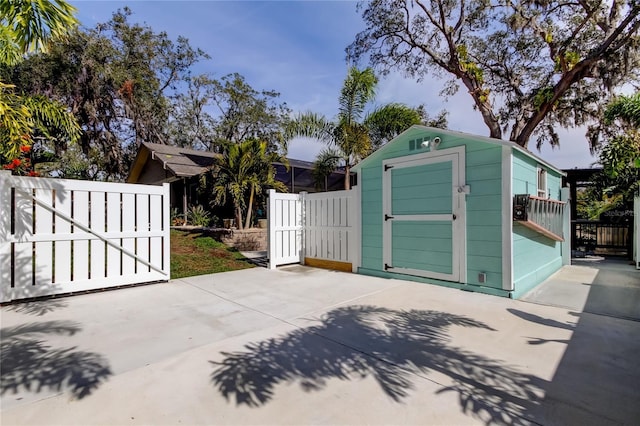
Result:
461,211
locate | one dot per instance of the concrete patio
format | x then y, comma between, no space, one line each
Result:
597,285
307,346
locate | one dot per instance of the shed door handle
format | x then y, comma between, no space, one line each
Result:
454,216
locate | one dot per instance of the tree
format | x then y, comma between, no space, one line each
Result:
388,121
528,66
620,156
245,113
353,135
626,111
243,170
150,67
27,27
117,80
214,112
618,182
191,124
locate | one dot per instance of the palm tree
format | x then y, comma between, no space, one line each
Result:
349,138
244,170
27,26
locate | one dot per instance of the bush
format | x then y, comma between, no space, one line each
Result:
177,218
198,216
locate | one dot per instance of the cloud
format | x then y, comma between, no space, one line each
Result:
305,149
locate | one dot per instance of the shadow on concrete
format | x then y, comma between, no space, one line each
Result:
394,347
596,381
28,363
540,320
37,308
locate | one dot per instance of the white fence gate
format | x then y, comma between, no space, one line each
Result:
315,229
60,236
284,213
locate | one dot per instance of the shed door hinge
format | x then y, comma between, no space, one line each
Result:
387,167
387,217
387,267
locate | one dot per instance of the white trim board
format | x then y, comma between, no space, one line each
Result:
507,219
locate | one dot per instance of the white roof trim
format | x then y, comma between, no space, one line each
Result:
501,142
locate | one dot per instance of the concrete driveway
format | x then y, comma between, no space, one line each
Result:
308,346
598,285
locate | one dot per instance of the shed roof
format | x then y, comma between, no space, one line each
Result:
494,141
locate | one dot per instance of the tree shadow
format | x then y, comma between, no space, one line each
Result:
37,307
541,320
394,347
29,363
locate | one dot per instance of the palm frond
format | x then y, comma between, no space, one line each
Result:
36,22
388,121
358,90
9,50
16,122
309,125
51,116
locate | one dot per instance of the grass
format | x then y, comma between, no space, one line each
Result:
194,253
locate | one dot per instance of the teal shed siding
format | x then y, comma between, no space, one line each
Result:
483,207
535,257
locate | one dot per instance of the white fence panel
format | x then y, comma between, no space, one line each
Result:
80,253
322,226
97,248
330,231
60,236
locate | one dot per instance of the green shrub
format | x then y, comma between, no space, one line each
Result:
198,216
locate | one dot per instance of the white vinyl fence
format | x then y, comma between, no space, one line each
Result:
319,226
60,236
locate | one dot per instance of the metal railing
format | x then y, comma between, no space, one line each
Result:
593,235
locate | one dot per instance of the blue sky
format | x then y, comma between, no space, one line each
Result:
297,49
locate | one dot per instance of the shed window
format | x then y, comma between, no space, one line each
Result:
542,183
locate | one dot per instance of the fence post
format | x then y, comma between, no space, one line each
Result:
6,208
271,228
355,217
565,195
166,228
